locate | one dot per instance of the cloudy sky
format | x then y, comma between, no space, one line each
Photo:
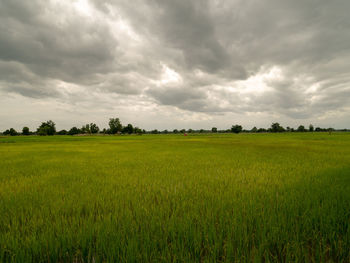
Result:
169,64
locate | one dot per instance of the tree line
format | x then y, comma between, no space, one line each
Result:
116,127
49,128
275,128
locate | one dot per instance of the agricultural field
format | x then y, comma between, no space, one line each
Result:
170,198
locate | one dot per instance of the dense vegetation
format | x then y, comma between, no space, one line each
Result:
210,198
116,127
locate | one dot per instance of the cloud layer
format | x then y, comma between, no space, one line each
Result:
169,64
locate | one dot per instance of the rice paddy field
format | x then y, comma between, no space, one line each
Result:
171,198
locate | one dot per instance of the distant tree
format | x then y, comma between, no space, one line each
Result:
154,131
276,127
137,130
115,125
288,129
214,129
182,130
46,128
25,131
311,128
11,132
301,128
85,129
175,131
254,129
236,128
62,132
261,130
93,128
201,130
318,129
190,131
128,129
74,131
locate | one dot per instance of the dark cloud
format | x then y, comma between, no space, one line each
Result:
67,47
278,57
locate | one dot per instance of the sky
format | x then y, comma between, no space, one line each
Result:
166,64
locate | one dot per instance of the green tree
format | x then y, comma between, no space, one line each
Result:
25,131
276,127
62,132
214,129
115,125
46,128
128,129
311,128
11,132
254,129
301,128
85,129
94,128
236,128
74,131
137,130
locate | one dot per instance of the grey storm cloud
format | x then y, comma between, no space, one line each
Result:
290,58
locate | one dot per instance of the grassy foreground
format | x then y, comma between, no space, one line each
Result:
170,198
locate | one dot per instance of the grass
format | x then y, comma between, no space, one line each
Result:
170,198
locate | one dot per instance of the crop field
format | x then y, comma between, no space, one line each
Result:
171,198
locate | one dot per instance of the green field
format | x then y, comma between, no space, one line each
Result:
170,198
